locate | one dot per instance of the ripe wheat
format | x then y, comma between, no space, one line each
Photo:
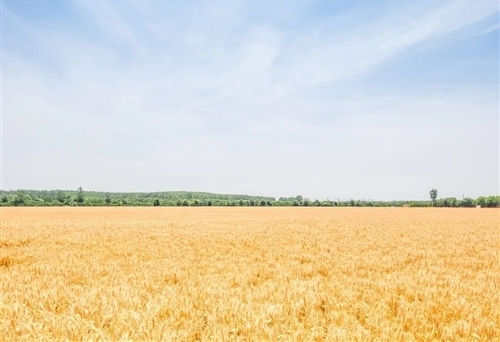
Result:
247,274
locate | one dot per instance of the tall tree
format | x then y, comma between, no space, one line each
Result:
434,194
79,195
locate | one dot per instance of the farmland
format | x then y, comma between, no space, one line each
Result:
249,273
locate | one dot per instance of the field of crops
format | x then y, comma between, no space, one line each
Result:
249,274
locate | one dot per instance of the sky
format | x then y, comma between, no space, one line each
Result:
328,99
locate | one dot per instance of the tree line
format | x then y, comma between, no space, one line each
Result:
80,197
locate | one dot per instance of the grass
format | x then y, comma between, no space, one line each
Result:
316,274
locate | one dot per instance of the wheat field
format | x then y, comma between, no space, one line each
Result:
249,274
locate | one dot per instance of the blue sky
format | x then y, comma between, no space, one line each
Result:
329,99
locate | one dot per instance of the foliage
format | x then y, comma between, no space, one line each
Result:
433,193
184,198
79,196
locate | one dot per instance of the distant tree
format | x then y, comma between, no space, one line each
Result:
185,203
240,203
156,202
493,201
269,203
5,199
481,201
434,194
107,198
209,203
61,197
451,202
252,203
467,202
299,198
316,203
79,195
262,203
19,199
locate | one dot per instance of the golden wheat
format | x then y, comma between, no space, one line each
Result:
246,274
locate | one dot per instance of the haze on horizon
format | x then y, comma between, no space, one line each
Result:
325,99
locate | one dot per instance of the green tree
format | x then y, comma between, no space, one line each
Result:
467,202
156,202
450,202
19,199
492,201
481,201
61,197
79,195
434,194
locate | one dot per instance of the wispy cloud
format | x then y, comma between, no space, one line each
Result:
491,28
214,35
201,54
